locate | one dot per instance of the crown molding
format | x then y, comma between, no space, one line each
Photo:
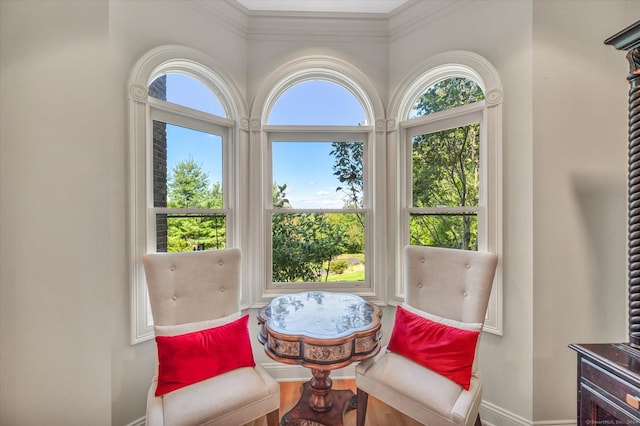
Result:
372,27
229,13
416,13
318,25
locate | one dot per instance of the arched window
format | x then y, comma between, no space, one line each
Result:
188,176
317,185
450,161
318,209
181,168
183,89
444,200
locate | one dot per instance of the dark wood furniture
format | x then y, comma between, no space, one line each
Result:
608,384
609,374
322,331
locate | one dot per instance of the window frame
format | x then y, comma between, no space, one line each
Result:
342,73
471,66
281,133
444,120
206,123
142,110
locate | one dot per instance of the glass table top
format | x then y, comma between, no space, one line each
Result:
320,314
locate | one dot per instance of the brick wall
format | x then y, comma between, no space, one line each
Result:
158,90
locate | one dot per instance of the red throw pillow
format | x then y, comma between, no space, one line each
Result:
192,357
447,350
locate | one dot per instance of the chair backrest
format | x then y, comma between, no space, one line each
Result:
193,286
450,283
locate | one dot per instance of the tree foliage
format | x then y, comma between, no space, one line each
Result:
447,94
445,169
302,243
188,187
348,168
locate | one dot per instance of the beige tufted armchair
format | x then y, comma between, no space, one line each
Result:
195,291
452,284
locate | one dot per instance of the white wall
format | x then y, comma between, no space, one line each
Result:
57,112
64,304
579,186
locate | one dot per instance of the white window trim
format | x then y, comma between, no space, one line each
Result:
312,134
490,217
142,109
342,73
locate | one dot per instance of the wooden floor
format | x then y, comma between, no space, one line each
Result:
378,413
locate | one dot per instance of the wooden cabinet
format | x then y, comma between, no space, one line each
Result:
608,384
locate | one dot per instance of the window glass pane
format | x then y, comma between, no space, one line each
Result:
445,168
318,174
446,94
455,230
317,102
190,232
318,247
187,167
186,91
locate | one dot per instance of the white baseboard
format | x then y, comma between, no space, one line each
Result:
493,415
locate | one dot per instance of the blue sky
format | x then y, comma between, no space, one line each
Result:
306,167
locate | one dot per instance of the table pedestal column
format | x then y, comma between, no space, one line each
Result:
319,404
320,400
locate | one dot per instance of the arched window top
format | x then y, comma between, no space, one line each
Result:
458,64
189,64
448,93
317,102
324,69
185,90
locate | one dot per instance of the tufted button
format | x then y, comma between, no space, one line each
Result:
220,262
468,266
422,260
419,285
173,268
174,297
221,289
464,293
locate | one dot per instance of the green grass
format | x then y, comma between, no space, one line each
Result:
353,273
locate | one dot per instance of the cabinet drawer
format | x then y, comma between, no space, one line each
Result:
626,394
595,409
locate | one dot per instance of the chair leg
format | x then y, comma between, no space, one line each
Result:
478,422
361,407
273,418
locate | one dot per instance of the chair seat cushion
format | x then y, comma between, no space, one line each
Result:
419,392
192,357
232,398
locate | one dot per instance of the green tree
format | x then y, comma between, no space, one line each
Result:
188,187
302,242
349,170
446,169
446,94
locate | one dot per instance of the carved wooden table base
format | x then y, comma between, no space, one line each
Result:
319,404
